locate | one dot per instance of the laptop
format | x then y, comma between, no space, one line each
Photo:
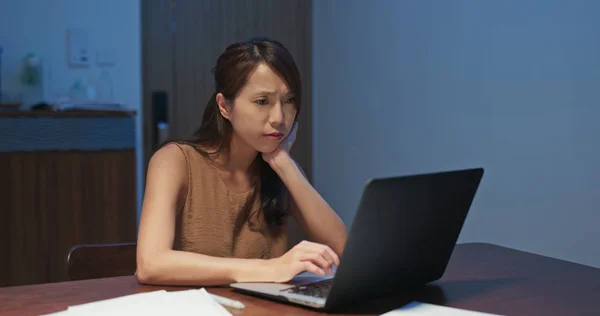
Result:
402,237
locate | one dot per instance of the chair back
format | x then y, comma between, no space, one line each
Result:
101,261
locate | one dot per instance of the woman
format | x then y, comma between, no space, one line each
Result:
216,205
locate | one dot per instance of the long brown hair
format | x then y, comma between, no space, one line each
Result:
231,73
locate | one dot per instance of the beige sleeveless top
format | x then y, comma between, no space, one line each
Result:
218,222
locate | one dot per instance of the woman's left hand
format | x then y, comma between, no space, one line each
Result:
282,151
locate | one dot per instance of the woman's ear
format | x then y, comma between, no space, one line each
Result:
224,106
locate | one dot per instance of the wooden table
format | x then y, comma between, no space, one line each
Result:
480,277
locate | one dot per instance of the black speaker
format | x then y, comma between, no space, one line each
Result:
160,110
160,106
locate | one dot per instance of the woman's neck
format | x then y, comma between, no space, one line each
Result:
240,156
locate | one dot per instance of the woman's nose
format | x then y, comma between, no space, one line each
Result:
276,115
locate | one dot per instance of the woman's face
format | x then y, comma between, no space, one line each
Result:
264,111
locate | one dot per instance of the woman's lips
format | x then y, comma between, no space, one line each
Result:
274,136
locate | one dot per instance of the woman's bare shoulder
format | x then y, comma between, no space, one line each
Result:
171,155
167,176
169,164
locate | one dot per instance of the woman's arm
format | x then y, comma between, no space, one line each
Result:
157,262
310,210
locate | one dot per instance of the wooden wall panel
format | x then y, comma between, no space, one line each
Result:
51,201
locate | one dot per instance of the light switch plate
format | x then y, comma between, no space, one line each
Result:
78,50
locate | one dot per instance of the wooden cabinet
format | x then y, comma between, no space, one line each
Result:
83,191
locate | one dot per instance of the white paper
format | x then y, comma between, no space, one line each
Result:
185,302
420,309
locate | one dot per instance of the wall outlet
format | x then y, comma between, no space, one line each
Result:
78,50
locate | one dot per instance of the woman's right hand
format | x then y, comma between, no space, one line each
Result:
305,256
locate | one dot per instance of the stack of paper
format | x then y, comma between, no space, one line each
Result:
421,309
186,302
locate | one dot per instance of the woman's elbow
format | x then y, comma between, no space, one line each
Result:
144,276
148,271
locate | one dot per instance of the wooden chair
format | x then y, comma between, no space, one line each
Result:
101,261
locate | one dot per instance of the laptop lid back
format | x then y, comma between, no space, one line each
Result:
403,234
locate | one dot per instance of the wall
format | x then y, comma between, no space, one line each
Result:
40,26
415,86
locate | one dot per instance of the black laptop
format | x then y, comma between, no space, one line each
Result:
402,236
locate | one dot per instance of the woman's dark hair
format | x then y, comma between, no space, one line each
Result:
231,73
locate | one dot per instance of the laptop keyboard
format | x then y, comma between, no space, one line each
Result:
317,289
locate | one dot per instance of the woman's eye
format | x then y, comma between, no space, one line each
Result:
261,102
290,100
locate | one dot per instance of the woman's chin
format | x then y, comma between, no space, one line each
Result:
265,149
